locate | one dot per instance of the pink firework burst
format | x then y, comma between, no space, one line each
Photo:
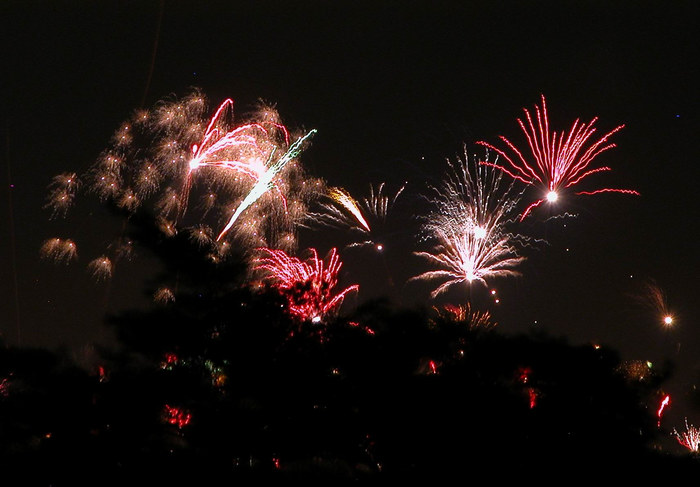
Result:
309,286
561,160
242,150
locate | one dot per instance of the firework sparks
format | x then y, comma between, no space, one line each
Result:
265,182
560,160
653,298
309,286
343,198
366,217
662,407
474,319
162,158
101,268
636,370
62,191
163,295
690,439
468,223
176,416
59,250
242,150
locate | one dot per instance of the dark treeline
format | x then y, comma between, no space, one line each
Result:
222,384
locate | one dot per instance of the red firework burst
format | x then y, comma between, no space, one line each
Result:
561,160
309,286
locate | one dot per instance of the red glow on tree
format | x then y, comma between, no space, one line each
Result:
309,286
176,416
169,360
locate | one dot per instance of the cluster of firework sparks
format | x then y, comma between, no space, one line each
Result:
229,182
164,157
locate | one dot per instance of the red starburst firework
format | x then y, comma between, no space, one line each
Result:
309,286
561,160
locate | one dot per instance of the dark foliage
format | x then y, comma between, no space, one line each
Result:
222,384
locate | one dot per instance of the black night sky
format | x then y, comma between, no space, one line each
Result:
394,89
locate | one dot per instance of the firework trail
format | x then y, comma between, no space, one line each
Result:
162,158
468,224
343,198
560,160
366,217
656,300
652,298
241,150
664,404
309,286
265,182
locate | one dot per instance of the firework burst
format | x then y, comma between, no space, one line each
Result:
652,298
560,160
468,225
101,268
59,250
244,174
62,191
690,439
366,217
309,286
265,181
473,319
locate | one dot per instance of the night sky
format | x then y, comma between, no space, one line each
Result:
394,89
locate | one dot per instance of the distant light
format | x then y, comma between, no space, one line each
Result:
668,320
380,247
552,196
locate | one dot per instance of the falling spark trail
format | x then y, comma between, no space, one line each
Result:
13,245
664,403
367,217
344,199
